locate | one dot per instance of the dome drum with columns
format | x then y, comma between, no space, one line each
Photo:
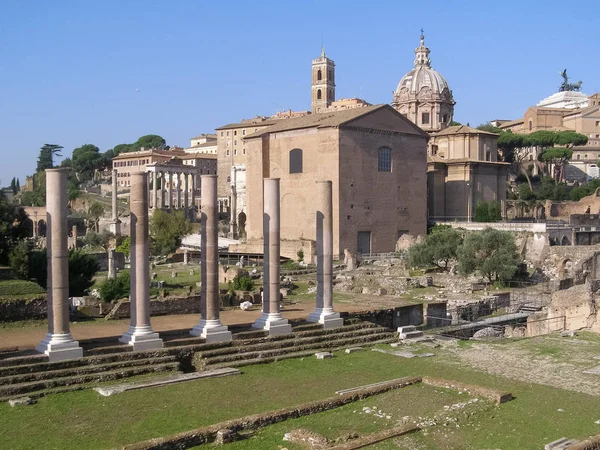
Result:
423,95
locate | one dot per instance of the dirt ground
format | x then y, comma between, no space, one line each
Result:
31,334
550,360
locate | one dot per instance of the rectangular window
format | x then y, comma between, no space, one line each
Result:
425,118
385,159
235,132
235,151
244,131
228,133
227,152
221,134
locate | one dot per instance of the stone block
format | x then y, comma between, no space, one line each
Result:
560,444
22,401
324,355
354,349
224,437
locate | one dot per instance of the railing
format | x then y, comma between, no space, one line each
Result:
380,256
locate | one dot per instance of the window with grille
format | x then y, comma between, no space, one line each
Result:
385,159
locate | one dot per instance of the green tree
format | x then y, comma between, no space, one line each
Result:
439,248
66,163
121,148
125,246
36,197
488,212
19,258
13,227
46,157
557,157
149,141
525,192
167,230
490,253
82,268
96,211
85,160
489,128
454,123
115,289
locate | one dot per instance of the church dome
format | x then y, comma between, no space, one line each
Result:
423,76
423,95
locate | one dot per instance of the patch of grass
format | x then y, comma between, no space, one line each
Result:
19,289
89,421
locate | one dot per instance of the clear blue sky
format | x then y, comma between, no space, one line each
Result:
70,70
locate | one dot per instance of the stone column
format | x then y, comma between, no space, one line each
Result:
177,185
193,210
170,190
324,311
58,344
112,273
74,235
154,190
140,334
271,318
186,204
233,215
210,326
115,225
161,196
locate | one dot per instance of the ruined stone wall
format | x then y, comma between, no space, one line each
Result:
13,310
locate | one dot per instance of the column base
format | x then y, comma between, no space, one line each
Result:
60,347
212,331
142,338
274,323
115,227
328,318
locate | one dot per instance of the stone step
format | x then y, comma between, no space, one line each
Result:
406,329
307,327
560,444
82,370
269,354
189,340
15,390
269,344
411,335
290,355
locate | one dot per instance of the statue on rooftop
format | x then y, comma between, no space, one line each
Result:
566,86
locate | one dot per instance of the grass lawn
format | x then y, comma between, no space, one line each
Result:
19,289
86,420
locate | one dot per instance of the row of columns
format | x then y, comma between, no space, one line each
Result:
59,344
166,198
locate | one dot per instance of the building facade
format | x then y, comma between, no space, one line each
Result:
376,160
463,170
205,143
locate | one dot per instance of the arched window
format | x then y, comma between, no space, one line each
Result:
319,75
330,76
318,94
385,159
296,160
530,125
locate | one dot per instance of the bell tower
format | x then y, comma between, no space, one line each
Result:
323,82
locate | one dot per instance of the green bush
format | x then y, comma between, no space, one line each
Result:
125,246
82,268
300,254
19,258
488,212
115,289
241,284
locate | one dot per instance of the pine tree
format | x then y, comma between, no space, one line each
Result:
46,158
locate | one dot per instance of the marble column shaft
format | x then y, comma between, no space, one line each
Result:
141,337
185,195
210,326
115,210
155,189
58,344
178,187
324,230
271,318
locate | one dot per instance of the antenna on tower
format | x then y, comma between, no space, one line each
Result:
322,45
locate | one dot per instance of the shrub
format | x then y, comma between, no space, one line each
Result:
125,246
19,258
300,254
115,289
488,212
82,268
94,239
241,284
